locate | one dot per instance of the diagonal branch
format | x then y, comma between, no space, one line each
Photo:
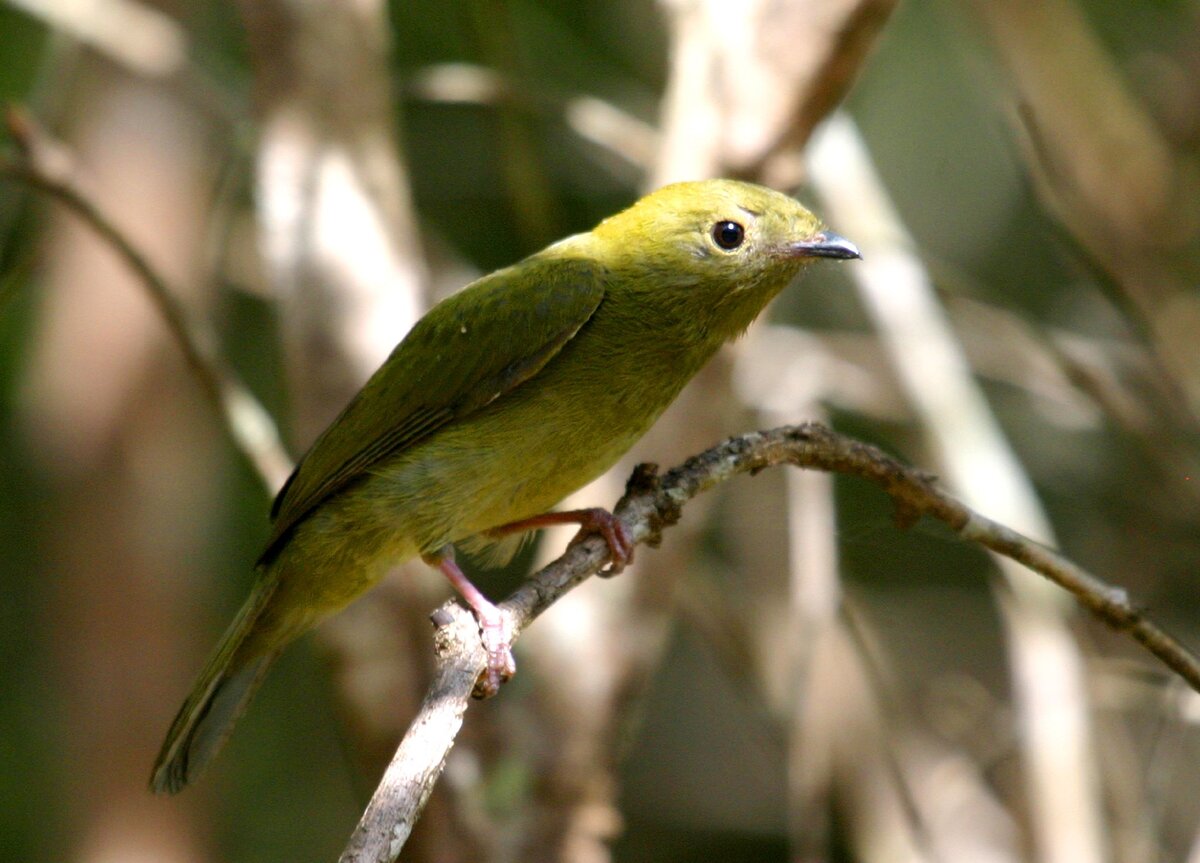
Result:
652,503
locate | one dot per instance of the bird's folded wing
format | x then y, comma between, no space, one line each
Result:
465,353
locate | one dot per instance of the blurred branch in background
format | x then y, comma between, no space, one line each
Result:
1103,168
1083,381
750,81
337,229
134,34
46,166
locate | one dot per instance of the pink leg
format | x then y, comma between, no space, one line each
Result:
496,637
594,520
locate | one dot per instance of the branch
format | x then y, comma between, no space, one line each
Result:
245,421
652,503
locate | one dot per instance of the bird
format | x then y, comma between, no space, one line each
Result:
503,399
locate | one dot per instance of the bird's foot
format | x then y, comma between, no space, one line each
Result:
494,628
603,522
591,520
497,642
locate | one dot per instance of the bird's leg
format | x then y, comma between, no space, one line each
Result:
493,626
594,520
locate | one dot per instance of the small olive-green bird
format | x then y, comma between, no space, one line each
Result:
506,397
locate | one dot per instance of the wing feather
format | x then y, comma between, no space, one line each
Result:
466,352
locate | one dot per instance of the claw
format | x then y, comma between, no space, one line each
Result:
620,543
497,641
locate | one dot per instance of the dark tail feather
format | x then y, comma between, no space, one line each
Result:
217,701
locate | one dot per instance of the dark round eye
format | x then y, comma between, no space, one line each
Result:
728,235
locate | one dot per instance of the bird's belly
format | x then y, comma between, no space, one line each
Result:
468,486
509,463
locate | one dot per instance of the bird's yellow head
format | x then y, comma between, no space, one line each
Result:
720,243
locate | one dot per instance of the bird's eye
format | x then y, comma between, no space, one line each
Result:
728,235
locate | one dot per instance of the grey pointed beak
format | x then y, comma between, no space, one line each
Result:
826,244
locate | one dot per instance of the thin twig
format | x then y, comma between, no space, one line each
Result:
652,503
249,427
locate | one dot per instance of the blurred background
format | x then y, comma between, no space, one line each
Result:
790,676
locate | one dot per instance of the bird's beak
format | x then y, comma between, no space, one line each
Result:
826,244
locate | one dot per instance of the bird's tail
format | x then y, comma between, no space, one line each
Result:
217,699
